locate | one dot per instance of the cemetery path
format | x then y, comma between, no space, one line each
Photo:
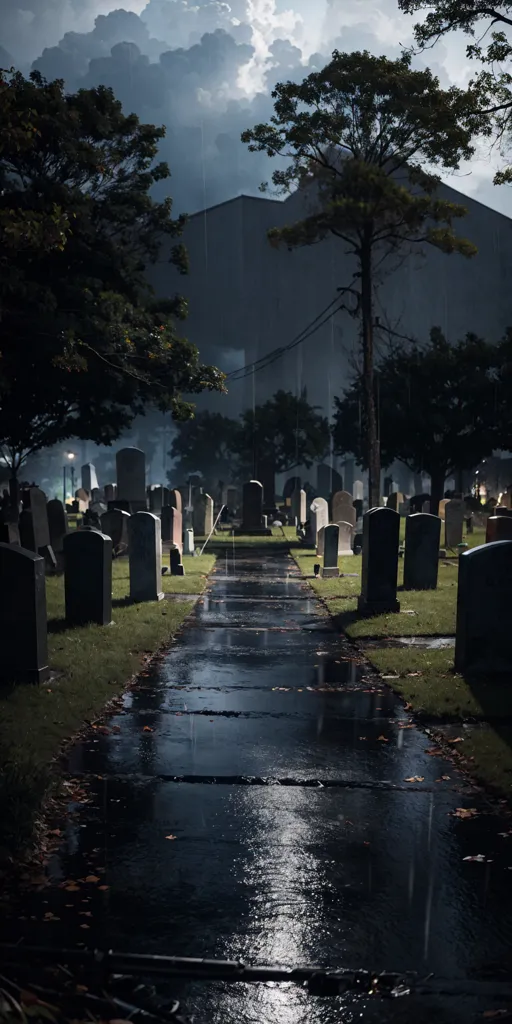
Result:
261,795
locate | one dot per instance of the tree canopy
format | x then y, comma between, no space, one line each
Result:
437,408
367,134
204,444
85,345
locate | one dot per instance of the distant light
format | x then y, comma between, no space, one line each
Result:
70,455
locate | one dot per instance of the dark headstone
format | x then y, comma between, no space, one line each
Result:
10,533
498,528
421,558
482,642
502,510
110,492
88,577
381,531
145,557
115,525
58,524
166,496
131,478
23,626
330,546
358,505
172,525
453,522
252,515
36,503
175,562
118,503
156,498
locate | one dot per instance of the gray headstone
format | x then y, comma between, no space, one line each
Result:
110,492
319,516
23,626
482,642
145,557
252,503
203,515
172,526
346,532
189,542
421,558
97,494
298,506
88,577
358,490
498,528
381,532
58,524
131,477
453,522
89,478
156,498
114,524
35,531
330,546
343,510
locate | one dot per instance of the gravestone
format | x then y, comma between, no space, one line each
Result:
252,510
330,544
395,499
358,505
172,526
156,498
57,523
319,516
88,577
298,506
346,532
83,498
34,528
232,498
453,522
23,625
188,546
442,505
502,510
175,499
10,533
202,516
131,478
482,640
498,528
175,563
166,496
110,492
97,494
145,557
426,507
114,524
381,532
122,506
358,490
421,558
343,510
89,478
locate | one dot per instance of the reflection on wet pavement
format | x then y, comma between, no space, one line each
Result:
261,795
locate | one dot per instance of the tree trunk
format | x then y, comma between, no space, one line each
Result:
372,434
437,479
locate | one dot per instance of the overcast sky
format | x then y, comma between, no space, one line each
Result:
207,89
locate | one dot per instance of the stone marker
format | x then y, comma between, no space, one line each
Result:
358,490
453,522
188,546
426,507
346,532
88,577
358,505
482,641
319,516
175,563
131,478
252,510
175,499
330,544
145,557
298,506
35,531
172,526
156,498
498,528
57,523
114,524
502,510
421,558
202,516
89,478
343,510
23,626
381,532
110,492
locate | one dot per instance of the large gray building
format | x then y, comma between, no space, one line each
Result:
247,298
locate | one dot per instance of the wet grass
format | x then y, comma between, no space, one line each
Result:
287,536
92,664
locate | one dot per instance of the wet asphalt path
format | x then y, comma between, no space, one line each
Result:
277,763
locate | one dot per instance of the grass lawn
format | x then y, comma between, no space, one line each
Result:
425,678
225,537
92,665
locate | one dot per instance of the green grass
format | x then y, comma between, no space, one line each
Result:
92,665
225,537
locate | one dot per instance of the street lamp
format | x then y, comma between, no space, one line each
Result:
69,456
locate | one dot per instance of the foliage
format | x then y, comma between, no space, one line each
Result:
204,444
437,408
284,432
85,346
364,136
494,81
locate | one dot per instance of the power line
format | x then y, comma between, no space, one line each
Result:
271,357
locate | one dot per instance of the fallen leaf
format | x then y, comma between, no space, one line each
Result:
92,878
415,778
383,739
170,837
55,832
480,857
85,927
458,739
81,988
433,752
464,812
147,728
72,888
103,888
411,674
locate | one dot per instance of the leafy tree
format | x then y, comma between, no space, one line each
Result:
84,344
284,432
205,445
359,131
437,409
494,80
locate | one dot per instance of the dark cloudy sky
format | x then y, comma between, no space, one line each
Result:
205,68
